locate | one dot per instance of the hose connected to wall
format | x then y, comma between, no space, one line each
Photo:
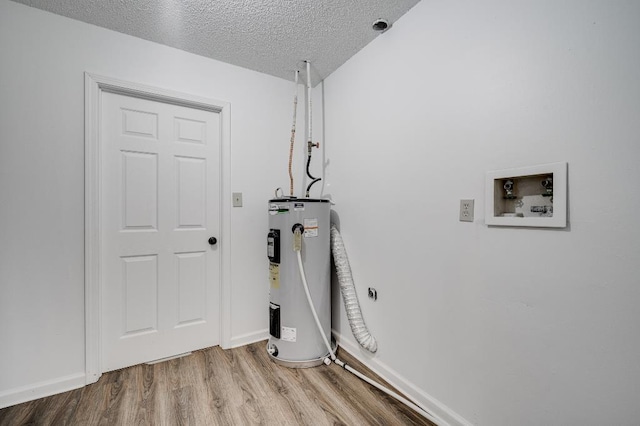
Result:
297,247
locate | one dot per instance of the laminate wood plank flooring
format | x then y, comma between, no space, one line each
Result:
240,386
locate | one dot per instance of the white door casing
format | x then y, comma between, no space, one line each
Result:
151,154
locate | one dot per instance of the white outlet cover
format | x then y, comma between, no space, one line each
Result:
466,210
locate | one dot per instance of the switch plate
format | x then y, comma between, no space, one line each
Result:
466,210
237,199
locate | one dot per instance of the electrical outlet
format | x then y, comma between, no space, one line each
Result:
237,199
466,210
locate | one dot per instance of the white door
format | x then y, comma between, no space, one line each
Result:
160,206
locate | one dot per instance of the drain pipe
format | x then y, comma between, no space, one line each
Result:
293,134
297,247
310,144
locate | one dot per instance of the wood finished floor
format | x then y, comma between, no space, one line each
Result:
239,386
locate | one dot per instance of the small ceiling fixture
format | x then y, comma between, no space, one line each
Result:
381,25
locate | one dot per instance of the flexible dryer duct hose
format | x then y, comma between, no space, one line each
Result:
349,296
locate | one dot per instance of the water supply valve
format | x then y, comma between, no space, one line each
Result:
312,145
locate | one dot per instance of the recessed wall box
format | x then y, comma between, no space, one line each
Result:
527,196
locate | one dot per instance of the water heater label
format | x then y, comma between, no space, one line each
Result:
278,209
274,275
288,334
311,227
298,207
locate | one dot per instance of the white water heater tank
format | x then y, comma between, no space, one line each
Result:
294,339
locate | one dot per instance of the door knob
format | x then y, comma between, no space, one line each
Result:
213,240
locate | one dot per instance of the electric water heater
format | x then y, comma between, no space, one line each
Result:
294,338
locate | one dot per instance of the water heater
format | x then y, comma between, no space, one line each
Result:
294,338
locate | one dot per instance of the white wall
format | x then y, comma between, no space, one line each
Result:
43,59
504,326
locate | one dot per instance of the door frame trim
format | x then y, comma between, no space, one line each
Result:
95,85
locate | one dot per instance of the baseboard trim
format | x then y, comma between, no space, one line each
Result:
450,417
41,389
248,338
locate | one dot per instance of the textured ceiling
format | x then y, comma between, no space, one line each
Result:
270,36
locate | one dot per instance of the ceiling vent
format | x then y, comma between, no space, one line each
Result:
381,25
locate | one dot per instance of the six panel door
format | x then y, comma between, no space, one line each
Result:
160,173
